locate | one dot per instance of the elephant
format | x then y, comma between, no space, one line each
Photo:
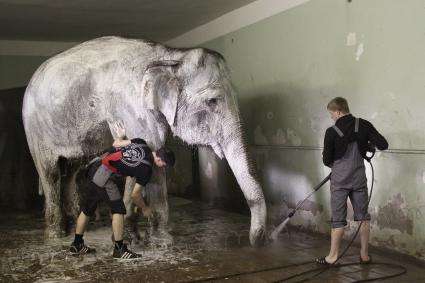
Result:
74,97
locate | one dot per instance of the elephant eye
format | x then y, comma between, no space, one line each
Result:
212,102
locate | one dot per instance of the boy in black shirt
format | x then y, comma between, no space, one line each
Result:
132,158
345,147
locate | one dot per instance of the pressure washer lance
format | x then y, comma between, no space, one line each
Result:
278,229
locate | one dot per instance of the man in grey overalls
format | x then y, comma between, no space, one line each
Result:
345,147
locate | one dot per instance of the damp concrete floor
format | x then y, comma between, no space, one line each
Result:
200,244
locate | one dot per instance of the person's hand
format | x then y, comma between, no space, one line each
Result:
118,129
147,212
371,147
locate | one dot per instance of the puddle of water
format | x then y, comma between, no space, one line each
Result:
195,233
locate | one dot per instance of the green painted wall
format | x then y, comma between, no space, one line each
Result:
180,177
16,71
287,67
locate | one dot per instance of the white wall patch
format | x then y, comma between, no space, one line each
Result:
279,138
351,39
359,51
292,136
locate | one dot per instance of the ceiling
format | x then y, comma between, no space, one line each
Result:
79,20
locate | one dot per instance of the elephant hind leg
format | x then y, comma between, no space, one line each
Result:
70,193
50,179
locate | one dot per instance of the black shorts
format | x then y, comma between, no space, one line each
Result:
91,194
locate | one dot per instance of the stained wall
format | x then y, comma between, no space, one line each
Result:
288,66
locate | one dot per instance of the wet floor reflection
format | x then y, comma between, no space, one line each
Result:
199,243
195,232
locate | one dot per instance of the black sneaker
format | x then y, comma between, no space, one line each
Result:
80,249
124,253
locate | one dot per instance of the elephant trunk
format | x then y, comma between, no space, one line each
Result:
236,154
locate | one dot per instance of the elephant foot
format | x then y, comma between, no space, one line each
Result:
257,236
55,223
132,236
159,238
54,233
131,230
157,220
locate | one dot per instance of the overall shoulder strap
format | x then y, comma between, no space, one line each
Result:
356,125
339,132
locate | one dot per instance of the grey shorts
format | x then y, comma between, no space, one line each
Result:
358,198
91,193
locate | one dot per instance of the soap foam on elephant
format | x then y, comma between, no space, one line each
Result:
155,91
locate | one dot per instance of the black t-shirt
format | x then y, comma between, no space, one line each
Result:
335,146
136,161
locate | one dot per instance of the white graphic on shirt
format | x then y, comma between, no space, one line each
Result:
133,155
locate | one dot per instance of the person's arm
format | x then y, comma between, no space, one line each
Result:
120,143
125,142
328,149
136,197
120,137
376,138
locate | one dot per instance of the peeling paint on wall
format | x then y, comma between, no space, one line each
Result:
385,81
351,39
293,137
390,242
392,216
279,138
259,137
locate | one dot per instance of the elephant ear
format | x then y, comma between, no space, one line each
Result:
161,87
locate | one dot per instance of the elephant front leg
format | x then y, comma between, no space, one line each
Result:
131,233
156,196
129,205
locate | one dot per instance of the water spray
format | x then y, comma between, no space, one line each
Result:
278,229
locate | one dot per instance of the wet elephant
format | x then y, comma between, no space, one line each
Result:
74,97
